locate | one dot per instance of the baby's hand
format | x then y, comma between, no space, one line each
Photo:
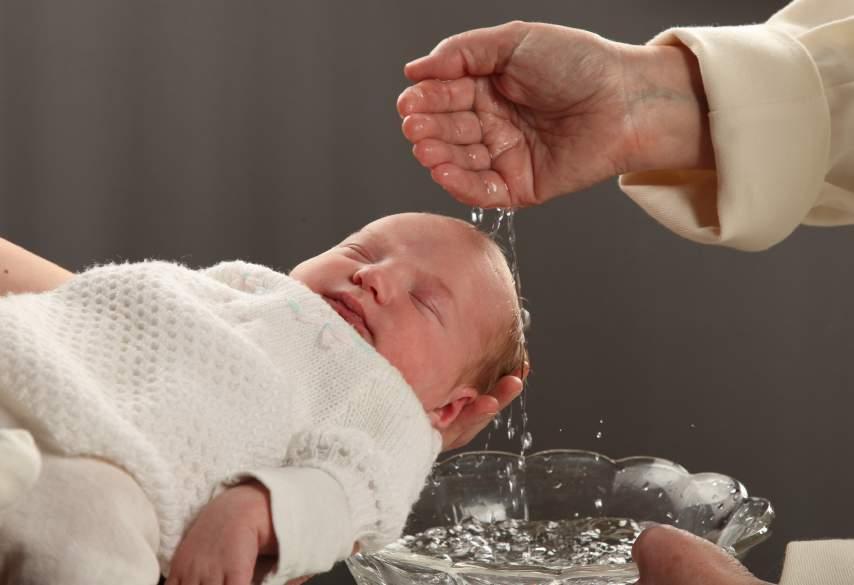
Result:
223,544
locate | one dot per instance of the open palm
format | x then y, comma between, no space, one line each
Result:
499,125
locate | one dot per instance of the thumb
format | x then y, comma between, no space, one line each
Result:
669,556
478,52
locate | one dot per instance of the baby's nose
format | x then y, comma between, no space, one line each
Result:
371,280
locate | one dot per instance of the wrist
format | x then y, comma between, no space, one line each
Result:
666,109
252,502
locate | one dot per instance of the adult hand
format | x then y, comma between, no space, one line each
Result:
669,556
515,115
479,412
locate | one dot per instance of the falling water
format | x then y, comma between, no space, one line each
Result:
499,225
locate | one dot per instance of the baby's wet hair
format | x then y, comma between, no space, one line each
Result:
506,351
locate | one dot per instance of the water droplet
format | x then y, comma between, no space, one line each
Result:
526,441
692,426
601,421
599,435
598,503
645,486
476,215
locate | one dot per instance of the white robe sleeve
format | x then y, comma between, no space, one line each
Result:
781,114
819,562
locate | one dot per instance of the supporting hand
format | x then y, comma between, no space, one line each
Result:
669,556
478,413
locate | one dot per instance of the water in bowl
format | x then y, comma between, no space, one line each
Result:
584,551
520,544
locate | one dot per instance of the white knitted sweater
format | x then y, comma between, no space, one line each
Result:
189,378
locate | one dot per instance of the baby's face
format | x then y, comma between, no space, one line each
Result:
426,291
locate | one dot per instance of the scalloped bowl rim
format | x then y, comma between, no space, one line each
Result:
618,464
594,455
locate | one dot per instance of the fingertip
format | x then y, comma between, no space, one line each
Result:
663,549
408,101
487,406
648,544
443,173
423,153
414,69
402,104
447,176
440,64
413,127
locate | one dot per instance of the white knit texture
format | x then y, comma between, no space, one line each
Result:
186,378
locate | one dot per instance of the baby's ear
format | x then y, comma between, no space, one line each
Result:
443,416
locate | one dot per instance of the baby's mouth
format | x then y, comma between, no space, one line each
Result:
352,317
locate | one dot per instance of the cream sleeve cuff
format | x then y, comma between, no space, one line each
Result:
819,562
311,519
770,128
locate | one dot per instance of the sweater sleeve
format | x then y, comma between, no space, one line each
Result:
819,562
317,520
311,519
355,463
781,115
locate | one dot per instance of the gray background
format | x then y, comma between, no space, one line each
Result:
200,131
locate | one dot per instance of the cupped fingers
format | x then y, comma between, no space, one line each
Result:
453,128
475,188
434,96
431,152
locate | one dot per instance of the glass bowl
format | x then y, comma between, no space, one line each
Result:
561,488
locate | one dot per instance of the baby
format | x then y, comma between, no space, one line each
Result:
327,387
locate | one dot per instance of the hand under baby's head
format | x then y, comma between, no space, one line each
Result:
431,294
